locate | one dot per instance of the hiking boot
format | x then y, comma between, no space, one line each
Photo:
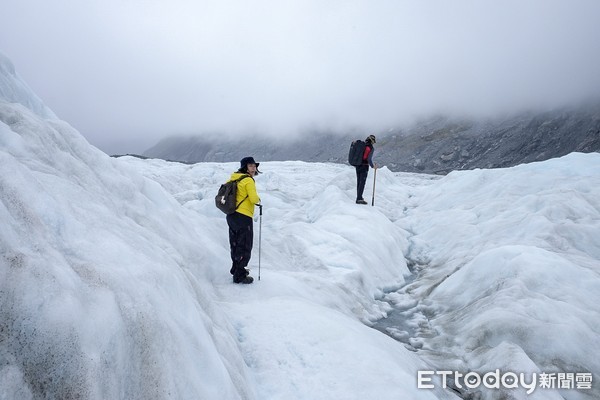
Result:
247,279
361,201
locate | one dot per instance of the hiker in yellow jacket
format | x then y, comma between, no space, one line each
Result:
241,230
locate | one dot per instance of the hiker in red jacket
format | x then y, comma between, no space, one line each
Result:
363,170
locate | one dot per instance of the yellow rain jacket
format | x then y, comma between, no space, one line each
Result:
246,191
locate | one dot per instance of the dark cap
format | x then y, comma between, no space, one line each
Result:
248,160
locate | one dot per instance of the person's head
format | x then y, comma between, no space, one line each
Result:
249,166
370,139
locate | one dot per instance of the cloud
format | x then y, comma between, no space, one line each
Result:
126,73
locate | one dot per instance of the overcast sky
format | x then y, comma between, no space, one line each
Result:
126,73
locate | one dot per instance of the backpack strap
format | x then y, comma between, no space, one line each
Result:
238,181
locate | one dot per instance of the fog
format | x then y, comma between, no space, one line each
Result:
128,73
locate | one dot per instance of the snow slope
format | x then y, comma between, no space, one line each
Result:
114,278
14,90
512,281
99,297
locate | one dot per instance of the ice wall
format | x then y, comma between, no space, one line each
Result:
100,296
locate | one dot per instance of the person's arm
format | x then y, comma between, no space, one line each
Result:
370,158
251,191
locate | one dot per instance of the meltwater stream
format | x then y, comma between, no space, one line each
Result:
408,321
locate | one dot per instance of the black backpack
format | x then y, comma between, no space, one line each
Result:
225,200
357,150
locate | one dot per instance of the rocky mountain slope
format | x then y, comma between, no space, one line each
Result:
438,145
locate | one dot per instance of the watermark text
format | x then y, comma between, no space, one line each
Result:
506,380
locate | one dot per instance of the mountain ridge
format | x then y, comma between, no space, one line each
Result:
438,145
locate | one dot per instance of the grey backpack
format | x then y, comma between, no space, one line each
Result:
357,150
225,200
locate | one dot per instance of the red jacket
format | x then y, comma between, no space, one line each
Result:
368,155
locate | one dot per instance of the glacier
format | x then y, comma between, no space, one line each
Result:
114,279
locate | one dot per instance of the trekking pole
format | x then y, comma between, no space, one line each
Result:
374,179
259,237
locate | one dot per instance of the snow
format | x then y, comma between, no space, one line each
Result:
114,279
14,90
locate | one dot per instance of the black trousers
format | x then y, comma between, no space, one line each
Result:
241,235
361,179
